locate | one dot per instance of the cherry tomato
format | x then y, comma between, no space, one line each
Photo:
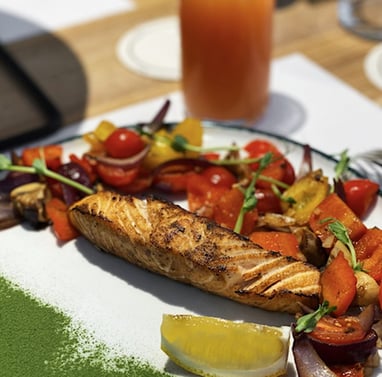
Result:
173,182
258,148
280,169
139,184
340,330
115,176
211,156
227,208
123,143
86,165
360,195
219,176
267,201
201,193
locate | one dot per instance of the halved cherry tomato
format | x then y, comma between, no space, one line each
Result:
116,176
340,330
123,143
360,195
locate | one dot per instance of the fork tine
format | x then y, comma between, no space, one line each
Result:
373,155
368,169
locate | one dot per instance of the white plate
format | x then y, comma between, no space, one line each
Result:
120,303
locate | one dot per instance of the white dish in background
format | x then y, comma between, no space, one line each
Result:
152,49
123,304
373,66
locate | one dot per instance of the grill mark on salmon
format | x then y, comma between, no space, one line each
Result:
166,239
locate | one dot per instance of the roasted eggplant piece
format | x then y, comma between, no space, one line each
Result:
29,203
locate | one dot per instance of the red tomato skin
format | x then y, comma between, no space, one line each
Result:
115,176
173,182
267,201
280,169
289,173
202,193
219,176
259,147
360,195
227,208
123,143
340,330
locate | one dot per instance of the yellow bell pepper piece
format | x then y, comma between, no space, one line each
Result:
160,151
104,130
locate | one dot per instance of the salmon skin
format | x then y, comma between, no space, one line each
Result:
166,239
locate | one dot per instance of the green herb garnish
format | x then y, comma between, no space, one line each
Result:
341,233
308,322
276,191
39,167
250,200
343,164
180,144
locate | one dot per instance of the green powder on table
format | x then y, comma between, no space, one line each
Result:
37,340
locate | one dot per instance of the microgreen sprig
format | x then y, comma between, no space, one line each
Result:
343,164
39,167
250,200
308,322
180,143
341,233
283,198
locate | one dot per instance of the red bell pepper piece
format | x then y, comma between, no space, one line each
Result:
339,284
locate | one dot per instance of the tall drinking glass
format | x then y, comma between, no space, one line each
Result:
226,54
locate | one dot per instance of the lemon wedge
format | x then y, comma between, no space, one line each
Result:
214,347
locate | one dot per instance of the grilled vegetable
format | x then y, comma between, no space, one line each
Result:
307,192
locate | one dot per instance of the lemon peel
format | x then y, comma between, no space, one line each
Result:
214,347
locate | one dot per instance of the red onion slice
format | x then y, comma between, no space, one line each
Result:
306,163
124,163
307,361
181,164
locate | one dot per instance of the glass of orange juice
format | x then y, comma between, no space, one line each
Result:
226,53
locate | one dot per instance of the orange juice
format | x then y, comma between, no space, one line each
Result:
226,52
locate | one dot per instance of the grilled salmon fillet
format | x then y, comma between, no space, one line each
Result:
166,239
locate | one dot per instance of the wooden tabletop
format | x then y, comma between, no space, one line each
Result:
78,69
